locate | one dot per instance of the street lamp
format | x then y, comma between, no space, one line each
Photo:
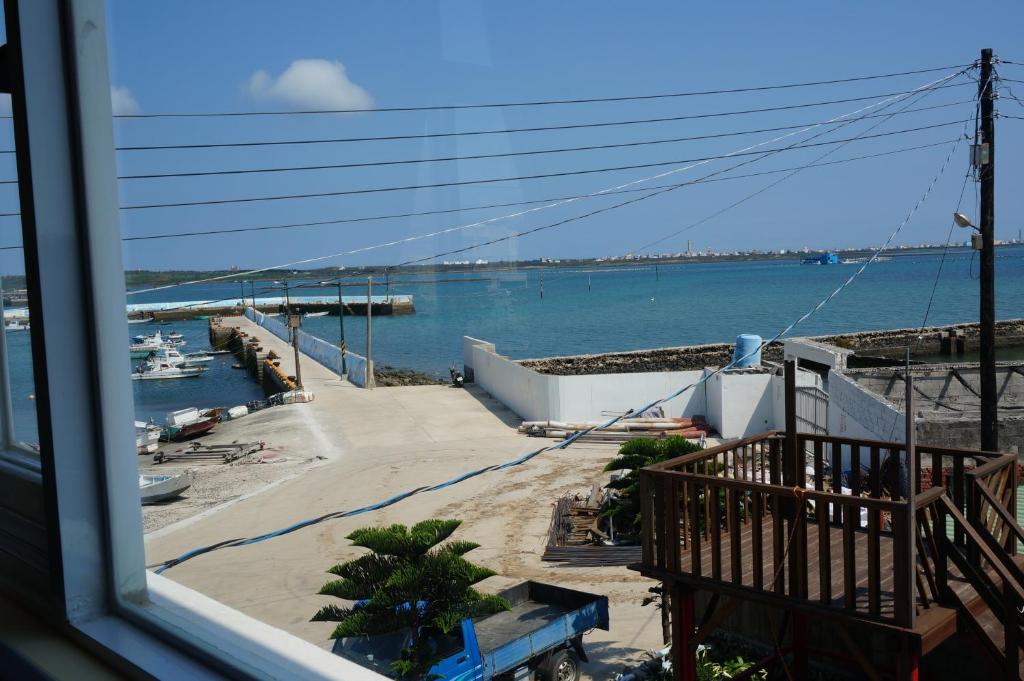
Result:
341,325
961,220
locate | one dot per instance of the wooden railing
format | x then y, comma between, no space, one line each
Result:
719,513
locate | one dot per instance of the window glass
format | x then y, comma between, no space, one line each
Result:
15,290
371,257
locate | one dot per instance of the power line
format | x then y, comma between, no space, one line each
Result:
493,180
505,131
885,102
614,206
773,184
319,223
472,157
546,102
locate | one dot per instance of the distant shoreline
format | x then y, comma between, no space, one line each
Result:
143,278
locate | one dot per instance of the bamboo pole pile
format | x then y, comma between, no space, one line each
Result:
625,429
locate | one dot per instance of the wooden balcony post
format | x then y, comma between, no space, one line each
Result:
789,454
684,657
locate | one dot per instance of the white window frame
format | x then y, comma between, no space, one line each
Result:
71,541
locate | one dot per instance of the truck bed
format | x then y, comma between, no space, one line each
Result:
497,630
542,617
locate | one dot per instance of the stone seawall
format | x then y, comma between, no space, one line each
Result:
262,364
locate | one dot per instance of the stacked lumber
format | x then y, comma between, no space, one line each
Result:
625,429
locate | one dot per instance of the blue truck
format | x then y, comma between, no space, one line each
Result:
539,639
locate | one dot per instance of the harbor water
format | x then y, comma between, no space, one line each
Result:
583,310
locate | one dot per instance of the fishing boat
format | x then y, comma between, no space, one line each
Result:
143,320
157,488
185,424
316,314
147,437
17,325
174,357
172,338
154,370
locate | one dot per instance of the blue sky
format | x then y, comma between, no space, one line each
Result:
245,56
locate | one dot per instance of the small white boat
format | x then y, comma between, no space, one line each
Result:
147,437
153,370
144,320
315,314
17,325
156,488
173,356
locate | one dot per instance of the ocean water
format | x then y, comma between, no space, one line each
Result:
586,310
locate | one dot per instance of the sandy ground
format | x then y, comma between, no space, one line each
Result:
376,444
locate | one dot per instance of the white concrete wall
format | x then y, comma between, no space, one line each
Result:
854,411
542,397
529,394
591,397
831,356
740,404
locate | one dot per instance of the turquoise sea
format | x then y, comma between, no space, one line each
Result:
585,310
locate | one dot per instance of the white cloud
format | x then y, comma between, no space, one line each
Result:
122,101
311,83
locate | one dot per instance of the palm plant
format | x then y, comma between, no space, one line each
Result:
408,583
624,507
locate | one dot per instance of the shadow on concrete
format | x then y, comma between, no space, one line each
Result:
504,414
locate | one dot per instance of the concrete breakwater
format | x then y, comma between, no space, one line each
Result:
352,305
263,364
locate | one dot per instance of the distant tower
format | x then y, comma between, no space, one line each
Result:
689,247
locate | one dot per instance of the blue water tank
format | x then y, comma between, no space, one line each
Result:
747,344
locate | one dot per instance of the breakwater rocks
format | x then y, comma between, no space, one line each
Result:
693,357
387,377
893,342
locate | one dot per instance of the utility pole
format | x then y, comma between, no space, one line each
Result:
241,285
341,328
987,223
252,288
370,383
294,321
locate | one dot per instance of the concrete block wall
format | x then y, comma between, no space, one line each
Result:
854,411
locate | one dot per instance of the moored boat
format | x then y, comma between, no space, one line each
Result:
153,370
315,314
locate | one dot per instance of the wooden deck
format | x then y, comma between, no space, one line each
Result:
770,519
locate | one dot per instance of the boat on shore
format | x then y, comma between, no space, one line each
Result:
185,424
147,437
156,488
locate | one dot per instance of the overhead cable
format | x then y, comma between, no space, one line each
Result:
884,102
506,131
463,183
541,102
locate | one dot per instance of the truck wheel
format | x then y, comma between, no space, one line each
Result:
561,666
